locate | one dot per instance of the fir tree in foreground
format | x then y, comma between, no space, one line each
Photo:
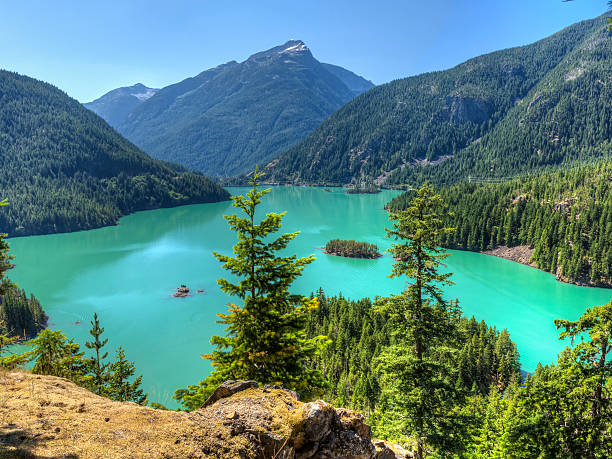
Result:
54,354
5,259
119,385
561,410
98,367
266,337
418,384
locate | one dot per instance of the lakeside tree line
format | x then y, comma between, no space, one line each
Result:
564,216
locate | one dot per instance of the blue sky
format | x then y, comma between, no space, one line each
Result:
89,47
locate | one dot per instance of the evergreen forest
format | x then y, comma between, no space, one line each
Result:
564,217
64,169
19,315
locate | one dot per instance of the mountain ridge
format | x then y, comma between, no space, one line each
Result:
441,126
115,105
227,119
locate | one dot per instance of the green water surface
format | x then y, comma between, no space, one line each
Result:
128,273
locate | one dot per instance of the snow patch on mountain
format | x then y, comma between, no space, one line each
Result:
298,47
142,96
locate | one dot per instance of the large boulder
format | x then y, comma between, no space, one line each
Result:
227,389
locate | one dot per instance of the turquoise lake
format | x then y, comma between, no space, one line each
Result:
127,274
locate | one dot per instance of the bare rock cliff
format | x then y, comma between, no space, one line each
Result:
45,416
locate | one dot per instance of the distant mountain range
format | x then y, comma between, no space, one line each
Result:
498,115
228,119
116,105
64,169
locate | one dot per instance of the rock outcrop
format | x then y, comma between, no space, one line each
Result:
182,292
45,416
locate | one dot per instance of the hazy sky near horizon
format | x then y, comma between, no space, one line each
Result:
87,48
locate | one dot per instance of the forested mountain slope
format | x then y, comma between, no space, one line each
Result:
64,169
499,114
226,120
115,105
563,218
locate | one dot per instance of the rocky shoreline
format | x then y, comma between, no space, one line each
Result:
522,254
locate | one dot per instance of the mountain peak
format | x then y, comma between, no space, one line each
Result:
291,48
142,92
115,105
294,46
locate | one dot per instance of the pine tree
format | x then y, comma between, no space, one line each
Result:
98,368
5,259
565,410
418,390
266,337
53,354
119,386
591,357
5,341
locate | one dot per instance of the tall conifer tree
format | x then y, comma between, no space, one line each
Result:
5,259
119,385
418,390
98,368
266,337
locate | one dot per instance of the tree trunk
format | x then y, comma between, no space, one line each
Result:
596,409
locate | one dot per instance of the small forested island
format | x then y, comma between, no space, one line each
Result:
352,249
366,189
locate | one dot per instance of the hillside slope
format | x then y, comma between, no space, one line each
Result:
502,113
115,105
226,120
65,169
45,416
